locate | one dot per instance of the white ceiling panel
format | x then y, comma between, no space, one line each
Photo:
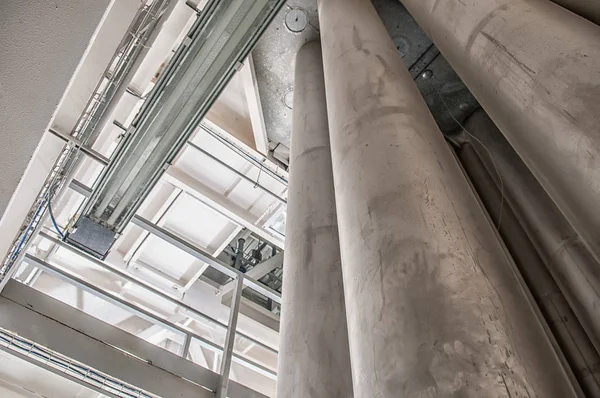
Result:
165,257
196,222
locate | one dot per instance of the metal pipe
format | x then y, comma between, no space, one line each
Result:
569,261
434,305
97,156
589,9
239,254
314,356
244,154
572,339
534,67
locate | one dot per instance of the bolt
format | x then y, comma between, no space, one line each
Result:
463,107
427,74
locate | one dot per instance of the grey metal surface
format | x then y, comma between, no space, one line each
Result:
535,68
448,99
274,62
570,262
435,308
564,325
314,359
274,57
91,237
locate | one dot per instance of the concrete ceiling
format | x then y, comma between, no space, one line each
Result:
274,56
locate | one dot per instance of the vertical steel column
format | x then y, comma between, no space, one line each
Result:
434,307
570,262
230,339
535,68
185,349
572,339
314,358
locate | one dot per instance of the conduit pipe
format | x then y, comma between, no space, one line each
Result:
535,68
572,265
434,306
571,338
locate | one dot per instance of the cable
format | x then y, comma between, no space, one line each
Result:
489,154
61,233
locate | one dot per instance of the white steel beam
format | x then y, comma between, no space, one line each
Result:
92,386
142,313
219,204
83,338
257,119
72,333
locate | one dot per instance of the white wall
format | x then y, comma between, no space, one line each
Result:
41,45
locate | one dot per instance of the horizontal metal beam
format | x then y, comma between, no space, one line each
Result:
219,204
202,255
106,348
177,179
104,295
97,156
236,172
80,188
91,385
